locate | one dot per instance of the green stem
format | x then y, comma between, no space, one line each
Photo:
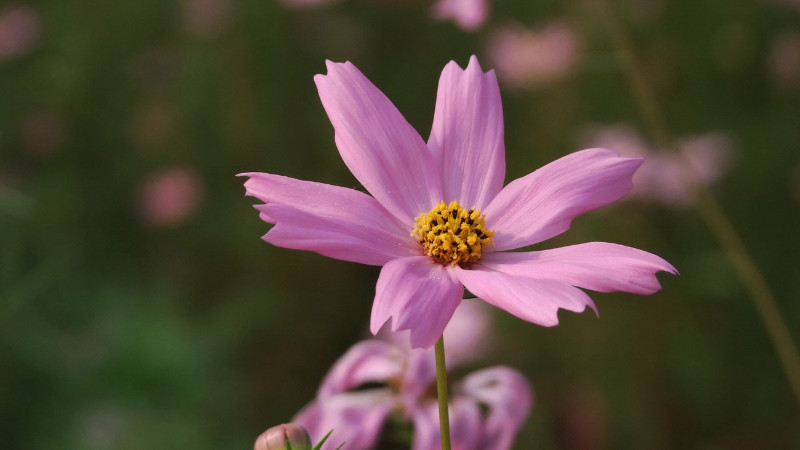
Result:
441,391
708,208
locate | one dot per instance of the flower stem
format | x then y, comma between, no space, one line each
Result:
709,209
441,391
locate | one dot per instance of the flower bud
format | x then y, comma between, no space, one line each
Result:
279,437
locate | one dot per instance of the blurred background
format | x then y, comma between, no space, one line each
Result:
140,309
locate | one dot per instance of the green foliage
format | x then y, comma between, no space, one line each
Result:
319,446
120,333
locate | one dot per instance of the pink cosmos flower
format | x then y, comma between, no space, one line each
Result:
784,61
169,197
525,58
439,218
206,19
664,177
20,29
378,377
581,417
467,14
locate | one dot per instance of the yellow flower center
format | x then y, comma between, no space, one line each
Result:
451,234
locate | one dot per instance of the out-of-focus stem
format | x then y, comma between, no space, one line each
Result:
441,393
708,208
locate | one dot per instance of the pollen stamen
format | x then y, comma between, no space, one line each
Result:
451,234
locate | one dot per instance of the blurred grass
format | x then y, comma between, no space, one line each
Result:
114,334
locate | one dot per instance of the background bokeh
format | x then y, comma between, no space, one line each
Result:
140,309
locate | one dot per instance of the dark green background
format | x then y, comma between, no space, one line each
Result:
115,335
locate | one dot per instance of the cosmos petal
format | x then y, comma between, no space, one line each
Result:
466,431
356,418
419,376
331,220
377,144
536,301
348,240
542,204
465,424
467,135
465,337
319,198
508,396
418,295
370,361
599,266
466,334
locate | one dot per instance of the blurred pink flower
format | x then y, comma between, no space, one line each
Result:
784,60
206,19
170,197
664,177
376,377
467,14
581,417
525,58
19,30
468,330
431,250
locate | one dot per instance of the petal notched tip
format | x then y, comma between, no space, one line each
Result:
334,67
669,268
634,162
663,267
250,185
534,300
473,67
417,295
593,308
608,153
377,322
580,310
474,64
